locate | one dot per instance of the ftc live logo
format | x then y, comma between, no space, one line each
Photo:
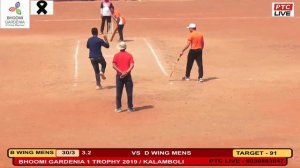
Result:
283,9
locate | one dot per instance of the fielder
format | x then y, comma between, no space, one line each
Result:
196,44
94,45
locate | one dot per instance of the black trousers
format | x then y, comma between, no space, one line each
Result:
120,82
105,19
95,62
120,30
192,56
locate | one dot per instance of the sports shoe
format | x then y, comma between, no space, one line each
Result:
130,109
102,75
98,87
118,110
200,80
185,78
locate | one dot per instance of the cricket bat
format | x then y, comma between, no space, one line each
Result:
113,35
173,68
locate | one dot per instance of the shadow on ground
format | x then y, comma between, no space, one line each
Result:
209,79
109,87
141,108
204,79
128,41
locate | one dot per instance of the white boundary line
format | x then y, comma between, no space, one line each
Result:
76,63
156,58
172,18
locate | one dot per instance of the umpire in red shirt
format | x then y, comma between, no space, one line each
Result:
123,63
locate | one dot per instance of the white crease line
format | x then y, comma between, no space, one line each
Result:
156,58
76,63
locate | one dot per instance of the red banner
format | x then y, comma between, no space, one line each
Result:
150,161
150,157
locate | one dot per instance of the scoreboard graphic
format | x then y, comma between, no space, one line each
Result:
150,157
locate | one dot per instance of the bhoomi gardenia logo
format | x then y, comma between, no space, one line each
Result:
15,19
15,14
16,8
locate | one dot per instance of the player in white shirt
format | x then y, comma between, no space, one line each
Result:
106,9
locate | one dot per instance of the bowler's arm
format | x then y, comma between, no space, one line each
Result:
105,43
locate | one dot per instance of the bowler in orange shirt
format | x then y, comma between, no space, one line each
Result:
196,44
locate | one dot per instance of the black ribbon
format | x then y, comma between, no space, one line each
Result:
42,5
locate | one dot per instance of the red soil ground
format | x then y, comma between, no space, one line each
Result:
250,97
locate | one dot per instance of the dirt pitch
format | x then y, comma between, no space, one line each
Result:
250,97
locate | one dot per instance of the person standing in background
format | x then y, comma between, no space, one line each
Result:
106,10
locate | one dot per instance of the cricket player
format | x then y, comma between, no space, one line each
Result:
106,10
94,45
196,44
123,63
120,20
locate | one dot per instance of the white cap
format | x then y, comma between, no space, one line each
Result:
192,25
122,45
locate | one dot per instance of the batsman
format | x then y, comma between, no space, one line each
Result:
196,44
121,21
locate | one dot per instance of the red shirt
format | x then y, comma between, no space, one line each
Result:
123,60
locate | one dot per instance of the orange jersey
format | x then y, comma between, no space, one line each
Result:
121,19
117,13
197,40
